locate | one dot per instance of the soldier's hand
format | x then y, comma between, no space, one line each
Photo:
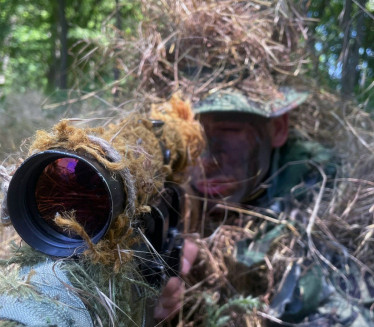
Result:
170,300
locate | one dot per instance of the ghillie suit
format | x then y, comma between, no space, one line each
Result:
308,243
300,252
103,285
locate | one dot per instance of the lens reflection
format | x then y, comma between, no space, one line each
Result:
70,184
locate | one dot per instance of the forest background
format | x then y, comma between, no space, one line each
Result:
60,58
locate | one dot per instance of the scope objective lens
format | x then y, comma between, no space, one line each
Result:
70,188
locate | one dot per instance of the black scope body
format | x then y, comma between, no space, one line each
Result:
59,181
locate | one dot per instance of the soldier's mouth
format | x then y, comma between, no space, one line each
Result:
215,187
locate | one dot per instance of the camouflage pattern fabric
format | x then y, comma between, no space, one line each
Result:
310,292
312,295
52,302
234,100
36,290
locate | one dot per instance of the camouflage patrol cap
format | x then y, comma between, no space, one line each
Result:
234,100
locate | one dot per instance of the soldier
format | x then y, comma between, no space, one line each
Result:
242,141
242,138
253,160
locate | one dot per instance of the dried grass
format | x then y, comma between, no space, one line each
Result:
199,47
202,46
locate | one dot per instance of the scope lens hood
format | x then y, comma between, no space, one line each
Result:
65,183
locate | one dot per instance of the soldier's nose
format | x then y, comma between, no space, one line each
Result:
208,161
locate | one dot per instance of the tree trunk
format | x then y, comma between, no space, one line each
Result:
62,82
52,62
361,31
351,46
311,42
116,72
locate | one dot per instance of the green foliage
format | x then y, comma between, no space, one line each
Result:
26,44
31,49
370,5
218,315
328,46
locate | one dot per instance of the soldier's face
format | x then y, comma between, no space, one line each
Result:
237,156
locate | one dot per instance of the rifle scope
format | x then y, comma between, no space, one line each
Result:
58,181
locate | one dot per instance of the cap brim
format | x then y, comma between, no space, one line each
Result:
235,101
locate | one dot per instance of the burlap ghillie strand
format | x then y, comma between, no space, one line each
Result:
192,139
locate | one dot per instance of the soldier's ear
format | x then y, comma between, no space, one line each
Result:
279,130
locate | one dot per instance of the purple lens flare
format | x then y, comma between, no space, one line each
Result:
69,184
